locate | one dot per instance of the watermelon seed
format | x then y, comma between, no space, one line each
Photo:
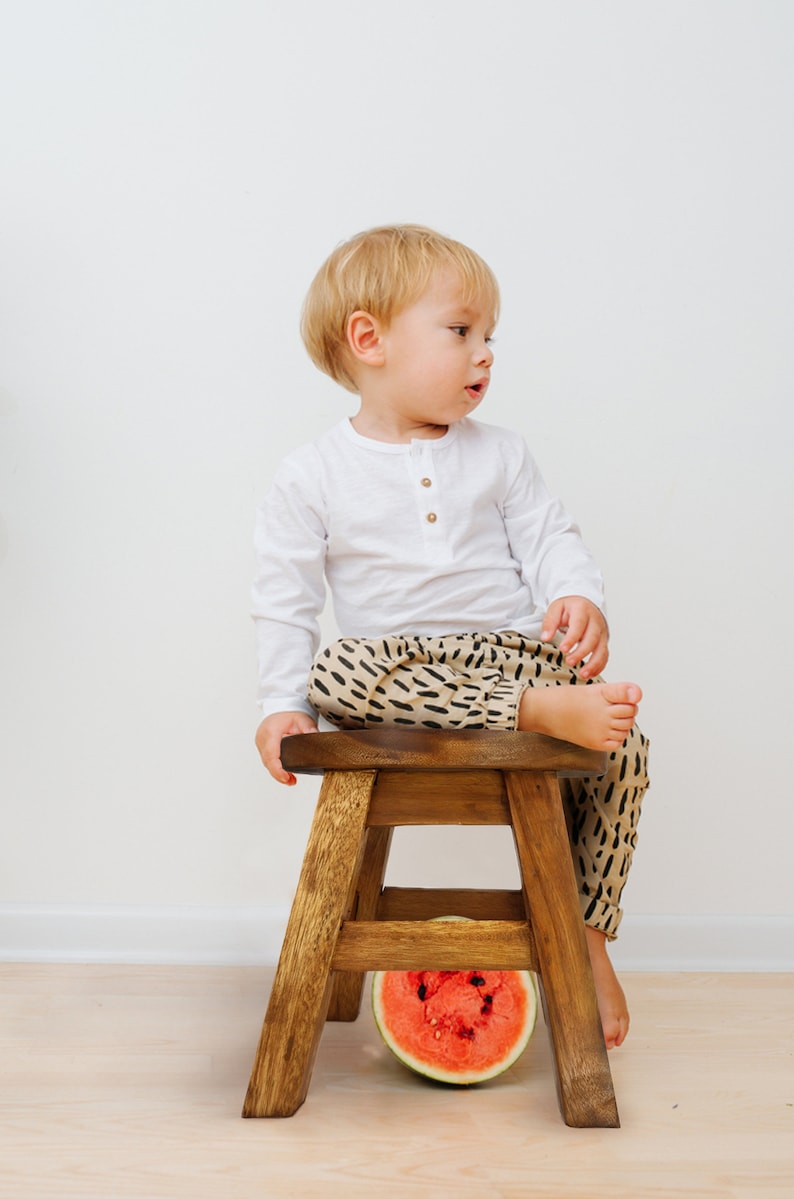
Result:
477,981
422,992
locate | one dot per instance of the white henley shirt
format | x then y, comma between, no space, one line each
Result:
453,535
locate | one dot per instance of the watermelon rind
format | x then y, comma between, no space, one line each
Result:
454,1038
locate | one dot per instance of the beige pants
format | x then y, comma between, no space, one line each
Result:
475,681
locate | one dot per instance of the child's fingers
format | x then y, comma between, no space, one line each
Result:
553,620
595,664
574,641
589,646
269,753
582,633
586,633
269,736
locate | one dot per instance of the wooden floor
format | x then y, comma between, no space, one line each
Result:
128,1081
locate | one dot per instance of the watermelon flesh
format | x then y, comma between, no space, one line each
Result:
456,1026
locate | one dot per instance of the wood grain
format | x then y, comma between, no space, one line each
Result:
428,945
584,1080
466,797
428,903
302,988
347,986
416,749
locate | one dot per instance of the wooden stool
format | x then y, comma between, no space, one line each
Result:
344,922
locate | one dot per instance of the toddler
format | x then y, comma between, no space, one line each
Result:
463,591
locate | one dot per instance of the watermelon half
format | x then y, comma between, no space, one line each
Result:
456,1026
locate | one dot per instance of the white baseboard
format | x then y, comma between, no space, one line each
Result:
235,936
180,936
705,943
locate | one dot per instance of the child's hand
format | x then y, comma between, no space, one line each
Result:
586,633
268,740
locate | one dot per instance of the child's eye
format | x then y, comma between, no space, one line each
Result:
461,330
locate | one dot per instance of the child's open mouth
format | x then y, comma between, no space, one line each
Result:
475,390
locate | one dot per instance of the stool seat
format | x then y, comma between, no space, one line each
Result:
345,921
418,749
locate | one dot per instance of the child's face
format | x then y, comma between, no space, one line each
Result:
437,355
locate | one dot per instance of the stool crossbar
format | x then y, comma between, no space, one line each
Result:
345,921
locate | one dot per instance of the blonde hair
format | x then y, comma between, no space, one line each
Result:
382,271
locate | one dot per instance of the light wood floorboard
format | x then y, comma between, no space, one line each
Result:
121,1082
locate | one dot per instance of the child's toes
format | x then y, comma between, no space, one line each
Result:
622,693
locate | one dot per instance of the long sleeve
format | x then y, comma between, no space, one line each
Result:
546,542
289,590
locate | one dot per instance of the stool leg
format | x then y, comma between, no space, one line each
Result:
301,989
348,985
584,1080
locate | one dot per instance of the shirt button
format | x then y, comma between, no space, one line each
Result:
432,518
427,482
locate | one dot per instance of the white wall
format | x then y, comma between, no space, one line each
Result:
173,172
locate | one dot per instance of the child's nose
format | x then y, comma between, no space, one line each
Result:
484,354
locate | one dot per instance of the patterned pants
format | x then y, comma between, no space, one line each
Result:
475,681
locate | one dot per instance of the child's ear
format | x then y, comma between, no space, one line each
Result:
364,338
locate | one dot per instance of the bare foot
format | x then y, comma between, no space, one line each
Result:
599,716
612,1006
